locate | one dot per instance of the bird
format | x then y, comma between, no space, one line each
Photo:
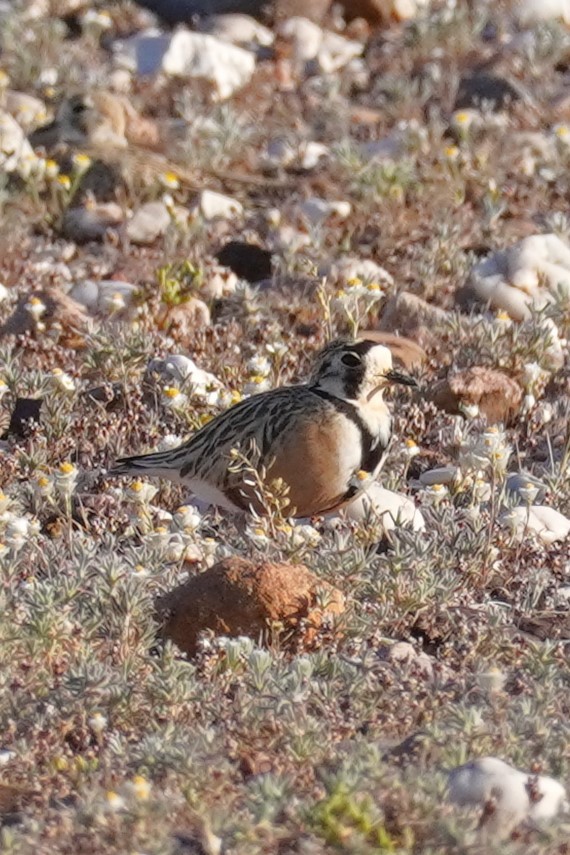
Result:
98,119
318,437
108,128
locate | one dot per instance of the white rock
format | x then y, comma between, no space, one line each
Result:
4,293
219,282
180,368
96,296
148,223
405,10
86,293
520,483
92,221
304,36
392,509
525,275
341,271
391,147
311,153
16,153
310,43
28,111
213,206
6,755
279,152
335,52
142,54
546,523
404,653
287,239
531,12
237,29
478,781
315,210
538,257
198,56
533,148
440,475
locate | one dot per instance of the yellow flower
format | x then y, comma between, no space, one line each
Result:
98,722
462,118
411,449
35,307
141,788
44,485
64,181
52,168
81,162
141,491
562,131
115,802
451,152
161,529
171,391
66,468
170,180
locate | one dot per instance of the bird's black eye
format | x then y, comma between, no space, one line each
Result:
351,359
79,107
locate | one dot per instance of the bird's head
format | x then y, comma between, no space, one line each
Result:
356,370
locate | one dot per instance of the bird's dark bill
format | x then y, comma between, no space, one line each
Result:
401,378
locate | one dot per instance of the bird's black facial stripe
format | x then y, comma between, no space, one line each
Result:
353,377
354,373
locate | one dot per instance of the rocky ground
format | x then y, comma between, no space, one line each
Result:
188,215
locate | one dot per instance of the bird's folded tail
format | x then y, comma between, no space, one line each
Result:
161,464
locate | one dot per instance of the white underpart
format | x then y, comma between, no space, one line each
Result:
210,494
350,452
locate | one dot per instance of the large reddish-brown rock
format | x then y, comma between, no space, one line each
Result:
498,396
241,597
